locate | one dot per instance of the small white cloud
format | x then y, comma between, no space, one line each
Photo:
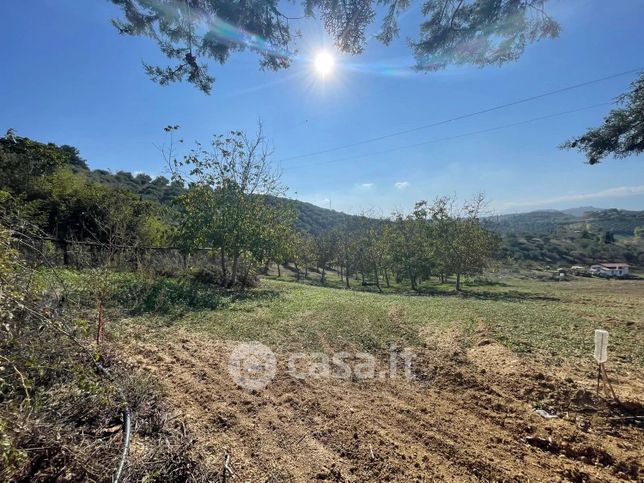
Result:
366,186
401,185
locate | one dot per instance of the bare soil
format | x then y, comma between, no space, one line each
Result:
468,415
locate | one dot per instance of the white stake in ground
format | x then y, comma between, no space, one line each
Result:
601,356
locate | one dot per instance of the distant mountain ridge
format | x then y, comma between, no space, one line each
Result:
619,222
580,211
544,238
315,219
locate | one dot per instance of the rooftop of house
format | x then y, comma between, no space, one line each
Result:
613,266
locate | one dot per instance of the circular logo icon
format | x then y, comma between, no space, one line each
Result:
252,366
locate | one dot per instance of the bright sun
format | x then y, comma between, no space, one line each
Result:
324,63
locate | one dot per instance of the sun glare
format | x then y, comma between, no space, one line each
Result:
324,63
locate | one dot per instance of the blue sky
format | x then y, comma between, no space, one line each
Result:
66,76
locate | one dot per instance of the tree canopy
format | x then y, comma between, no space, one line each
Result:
621,134
226,208
189,32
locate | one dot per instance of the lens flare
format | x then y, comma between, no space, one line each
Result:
324,63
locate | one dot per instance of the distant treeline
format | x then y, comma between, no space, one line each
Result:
52,187
227,199
548,222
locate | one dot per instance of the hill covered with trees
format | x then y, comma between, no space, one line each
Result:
619,222
71,201
228,201
577,236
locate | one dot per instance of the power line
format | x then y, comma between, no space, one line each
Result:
464,116
457,136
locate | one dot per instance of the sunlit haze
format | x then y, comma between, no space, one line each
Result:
324,63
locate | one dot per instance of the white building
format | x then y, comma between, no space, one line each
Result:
610,269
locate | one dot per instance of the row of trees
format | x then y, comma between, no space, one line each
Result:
438,239
229,203
227,207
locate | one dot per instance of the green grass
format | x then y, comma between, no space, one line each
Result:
525,315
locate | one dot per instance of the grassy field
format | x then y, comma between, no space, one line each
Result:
485,360
555,318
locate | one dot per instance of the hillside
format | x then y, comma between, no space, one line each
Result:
583,235
535,222
547,237
310,218
619,222
580,211
315,219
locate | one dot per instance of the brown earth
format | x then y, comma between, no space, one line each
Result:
468,415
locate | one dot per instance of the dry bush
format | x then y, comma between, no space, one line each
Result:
62,402
74,432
